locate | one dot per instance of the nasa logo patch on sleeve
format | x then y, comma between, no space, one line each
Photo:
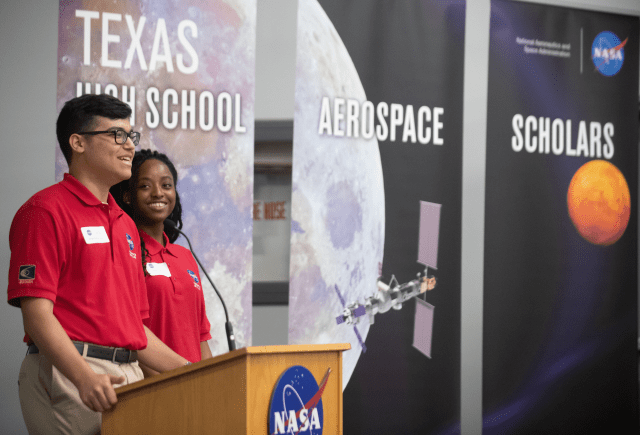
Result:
27,273
196,281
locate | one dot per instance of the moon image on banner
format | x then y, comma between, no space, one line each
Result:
599,202
338,206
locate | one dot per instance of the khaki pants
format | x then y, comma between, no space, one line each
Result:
51,403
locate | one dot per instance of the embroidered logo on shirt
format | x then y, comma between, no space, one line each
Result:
27,274
195,278
131,246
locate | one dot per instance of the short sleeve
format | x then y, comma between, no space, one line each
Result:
37,256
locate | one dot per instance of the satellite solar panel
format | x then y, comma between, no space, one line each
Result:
429,233
423,327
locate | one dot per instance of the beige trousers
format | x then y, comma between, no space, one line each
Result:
51,403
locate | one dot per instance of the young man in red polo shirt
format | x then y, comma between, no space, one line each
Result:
75,273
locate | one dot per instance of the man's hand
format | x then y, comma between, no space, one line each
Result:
96,391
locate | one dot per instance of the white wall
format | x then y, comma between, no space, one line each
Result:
28,48
28,68
275,58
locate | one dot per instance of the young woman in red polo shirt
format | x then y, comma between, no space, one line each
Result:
176,302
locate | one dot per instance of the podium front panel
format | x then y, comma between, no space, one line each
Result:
228,394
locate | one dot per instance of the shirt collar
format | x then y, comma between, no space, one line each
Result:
154,247
80,190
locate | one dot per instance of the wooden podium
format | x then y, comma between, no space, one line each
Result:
228,394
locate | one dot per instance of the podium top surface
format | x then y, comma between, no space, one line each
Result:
235,354
291,348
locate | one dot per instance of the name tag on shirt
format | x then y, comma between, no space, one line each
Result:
158,269
94,235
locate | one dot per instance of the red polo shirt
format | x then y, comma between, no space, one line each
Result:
83,255
177,313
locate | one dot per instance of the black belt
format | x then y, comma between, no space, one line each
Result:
114,354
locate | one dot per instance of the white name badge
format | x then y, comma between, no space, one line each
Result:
94,235
158,269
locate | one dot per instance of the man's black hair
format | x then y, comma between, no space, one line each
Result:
78,115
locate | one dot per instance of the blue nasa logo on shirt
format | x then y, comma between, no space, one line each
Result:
296,403
130,240
607,53
88,232
131,246
27,273
193,275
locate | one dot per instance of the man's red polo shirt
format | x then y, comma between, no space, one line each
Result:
177,313
83,255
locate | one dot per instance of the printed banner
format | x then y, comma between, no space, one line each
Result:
376,189
560,272
188,71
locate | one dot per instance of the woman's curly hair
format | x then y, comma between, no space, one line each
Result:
131,185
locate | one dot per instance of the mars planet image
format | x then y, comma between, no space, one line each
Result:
338,202
599,202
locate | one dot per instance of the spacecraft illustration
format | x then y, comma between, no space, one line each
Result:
394,294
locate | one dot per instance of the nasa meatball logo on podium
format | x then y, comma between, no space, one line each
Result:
296,403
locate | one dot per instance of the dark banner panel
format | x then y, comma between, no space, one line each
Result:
376,205
560,272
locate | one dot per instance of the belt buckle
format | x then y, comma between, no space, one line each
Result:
126,351
113,357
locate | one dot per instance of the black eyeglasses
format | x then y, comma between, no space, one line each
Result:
120,136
